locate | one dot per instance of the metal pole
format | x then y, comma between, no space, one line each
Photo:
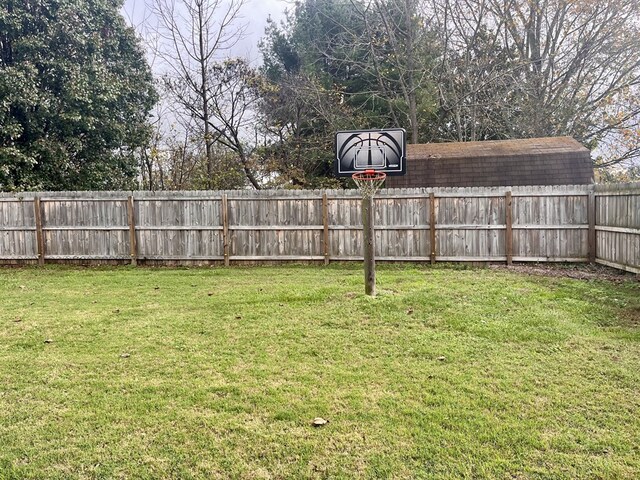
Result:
369,246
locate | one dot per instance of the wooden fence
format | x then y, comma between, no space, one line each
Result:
617,225
598,223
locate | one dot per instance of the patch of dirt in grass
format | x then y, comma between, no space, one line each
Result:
577,271
631,316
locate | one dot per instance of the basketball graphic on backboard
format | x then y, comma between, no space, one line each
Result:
379,150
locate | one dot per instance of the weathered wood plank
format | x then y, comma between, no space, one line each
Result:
39,233
133,249
508,234
432,227
325,229
225,229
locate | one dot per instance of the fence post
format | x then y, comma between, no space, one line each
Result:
508,234
39,234
133,245
432,226
225,229
325,223
591,215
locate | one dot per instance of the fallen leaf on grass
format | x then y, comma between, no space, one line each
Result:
319,421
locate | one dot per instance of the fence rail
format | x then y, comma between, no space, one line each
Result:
596,223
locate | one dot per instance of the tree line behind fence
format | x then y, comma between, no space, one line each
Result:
596,223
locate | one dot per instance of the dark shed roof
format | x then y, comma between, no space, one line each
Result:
533,161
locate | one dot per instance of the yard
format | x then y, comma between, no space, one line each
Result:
217,373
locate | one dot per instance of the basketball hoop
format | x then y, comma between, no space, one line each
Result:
369,182
368,156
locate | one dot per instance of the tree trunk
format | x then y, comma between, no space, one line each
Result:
413,116
409,9
204,98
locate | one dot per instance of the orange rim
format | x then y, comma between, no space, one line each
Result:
369,175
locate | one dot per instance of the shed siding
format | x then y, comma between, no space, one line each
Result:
536,161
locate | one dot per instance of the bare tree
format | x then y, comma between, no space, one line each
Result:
235,92
524,68
298,118
194,35
404,27
149,164
474,75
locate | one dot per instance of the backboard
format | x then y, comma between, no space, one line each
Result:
379,150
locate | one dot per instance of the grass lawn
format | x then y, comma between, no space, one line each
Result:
217,373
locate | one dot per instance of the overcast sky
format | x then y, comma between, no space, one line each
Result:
255,14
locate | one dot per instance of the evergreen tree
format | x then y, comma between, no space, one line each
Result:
75,95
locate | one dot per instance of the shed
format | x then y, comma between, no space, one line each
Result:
532,161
